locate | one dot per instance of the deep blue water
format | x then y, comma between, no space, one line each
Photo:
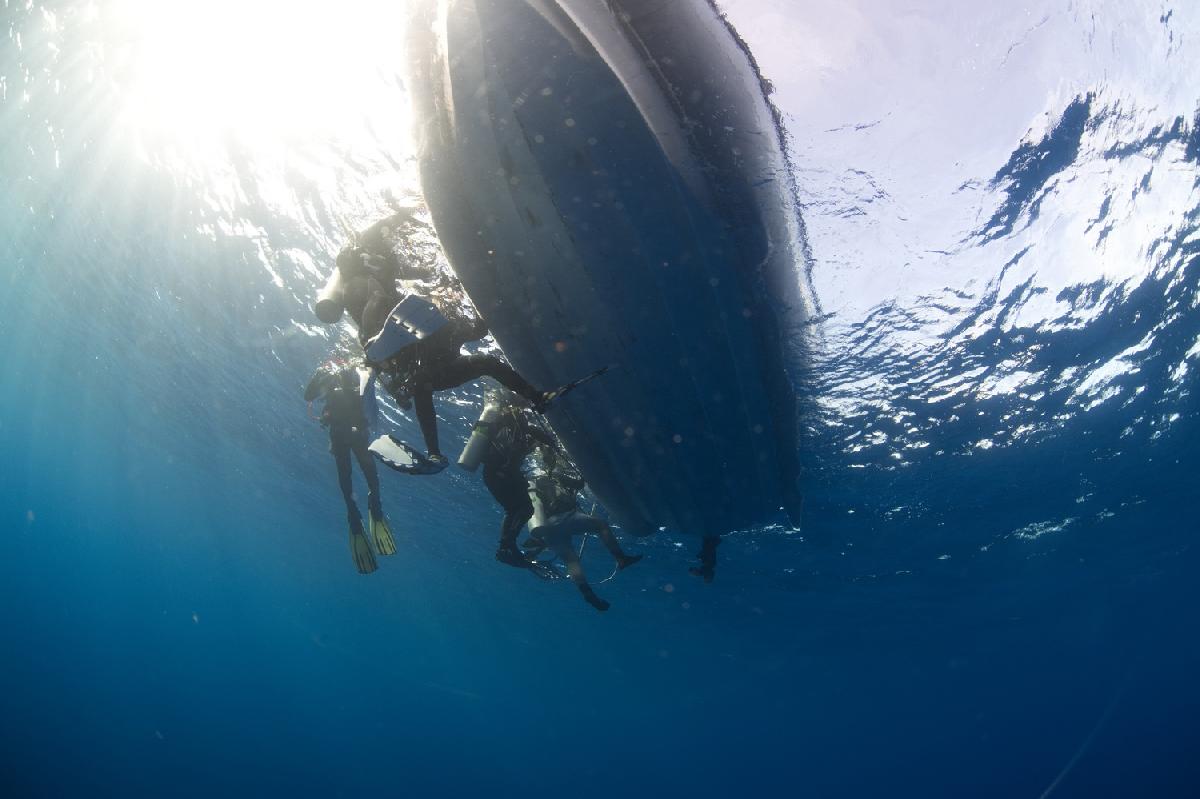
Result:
1001,438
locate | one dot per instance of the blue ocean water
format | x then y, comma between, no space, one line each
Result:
1000,434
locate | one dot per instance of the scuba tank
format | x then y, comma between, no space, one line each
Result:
538,519
553,489
541,484
330,302
481,435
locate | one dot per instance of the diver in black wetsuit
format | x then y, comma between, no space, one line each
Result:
557,484
346,421
364,284
369,270
437,364
512,439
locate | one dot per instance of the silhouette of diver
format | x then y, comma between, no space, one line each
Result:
364,284
556,485
511,434
343,416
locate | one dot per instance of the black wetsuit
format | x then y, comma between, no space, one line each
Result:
370,269
348,433
437,364
513,439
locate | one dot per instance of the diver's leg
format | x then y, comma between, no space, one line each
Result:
360,548
517,517
507,550
465,368
381,533
509,489
514,519
518,506
367,463
563,548
379,304
341,457
610,542
427,418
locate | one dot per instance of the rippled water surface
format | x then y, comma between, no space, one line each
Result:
992,592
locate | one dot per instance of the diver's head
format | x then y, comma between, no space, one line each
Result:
348,377
324,379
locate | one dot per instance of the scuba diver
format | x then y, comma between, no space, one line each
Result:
416,349
363,282
555,487
505,435
435,362
343,415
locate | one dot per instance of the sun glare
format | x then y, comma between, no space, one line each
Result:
261,71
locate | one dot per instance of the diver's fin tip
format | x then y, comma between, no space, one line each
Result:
381,533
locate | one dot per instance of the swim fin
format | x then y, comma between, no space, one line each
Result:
533,547
360,548
590,597
403,457
545,571
382,534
